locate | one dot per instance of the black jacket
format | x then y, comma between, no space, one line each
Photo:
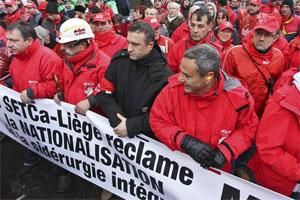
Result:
136,83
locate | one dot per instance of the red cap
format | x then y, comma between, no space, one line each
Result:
268,23
31,5
102,17
10,2
225,25
152,21
42,6
255,2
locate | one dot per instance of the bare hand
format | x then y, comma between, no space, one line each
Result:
82,107
121,129
56,99
25,98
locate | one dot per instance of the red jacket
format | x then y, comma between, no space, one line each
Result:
226,46
238,63
269,8
35,68
223,118
294,53
181,32
178,50
11,18
88,67
282,44
276,166
110,43
247,22
2,37
165,44
289,27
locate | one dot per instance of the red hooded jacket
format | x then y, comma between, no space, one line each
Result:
178,50
181,32
83,73
110,43
224,117
238,63
35,68
276,165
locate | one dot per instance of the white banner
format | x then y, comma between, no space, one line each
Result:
139,168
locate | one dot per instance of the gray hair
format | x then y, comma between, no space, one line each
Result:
207,58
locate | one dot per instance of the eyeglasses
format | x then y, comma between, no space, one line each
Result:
72,44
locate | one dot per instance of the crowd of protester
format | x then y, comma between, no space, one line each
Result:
216,79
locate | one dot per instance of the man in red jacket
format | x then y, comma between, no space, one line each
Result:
248,18
276,164
183,30
163,42
14,13
83,70
204,112
200,33
106,39
84,65
32,68
257,62
290,22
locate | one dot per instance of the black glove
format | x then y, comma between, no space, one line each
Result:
218,160
199,151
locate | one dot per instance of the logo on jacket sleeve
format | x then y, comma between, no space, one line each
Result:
224,134
32,82
88,88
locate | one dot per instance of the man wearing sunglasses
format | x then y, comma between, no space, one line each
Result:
84,67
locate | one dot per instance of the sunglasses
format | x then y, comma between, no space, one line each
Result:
72,44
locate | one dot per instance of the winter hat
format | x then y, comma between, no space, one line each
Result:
80,8
41,32
51,8
290,3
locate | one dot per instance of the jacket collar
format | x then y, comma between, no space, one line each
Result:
29,51
104,38
261,59
82,55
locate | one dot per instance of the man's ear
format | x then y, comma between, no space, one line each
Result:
29,40
150,45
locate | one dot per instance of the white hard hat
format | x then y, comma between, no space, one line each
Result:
74,29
